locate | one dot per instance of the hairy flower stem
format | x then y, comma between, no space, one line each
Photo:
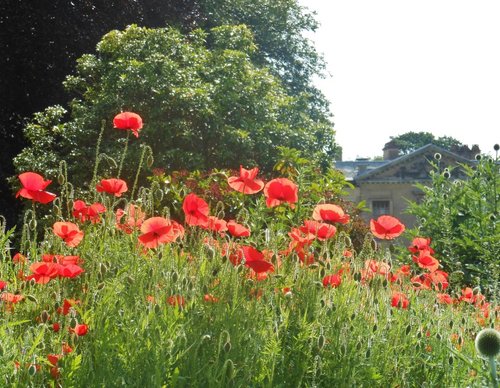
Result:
98,146
141,161
123,155
493,371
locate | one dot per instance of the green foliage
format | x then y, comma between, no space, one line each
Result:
461,216
202,108
410,141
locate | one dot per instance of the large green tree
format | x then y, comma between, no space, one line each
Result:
204,102
410,141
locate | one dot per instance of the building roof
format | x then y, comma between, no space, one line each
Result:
380,171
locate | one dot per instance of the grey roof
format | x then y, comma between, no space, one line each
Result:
366,169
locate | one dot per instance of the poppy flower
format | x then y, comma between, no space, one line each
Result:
156,231
19,258
328,212
34,188
444,299
386,227
246,183
11,298
421,244
399,300
70,271
216,225
321,230
69,232
196,210
84,212
134,218
128,121
80,329
53,358
237,230
68,304
255,260
281,190
332,280
112,186
43,272
176,300
426,261
56,327
2,285
210,298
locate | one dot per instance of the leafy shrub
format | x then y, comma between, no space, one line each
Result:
462,216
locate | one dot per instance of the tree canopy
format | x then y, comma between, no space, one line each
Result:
204,103
410,141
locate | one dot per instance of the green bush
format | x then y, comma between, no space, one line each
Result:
462,217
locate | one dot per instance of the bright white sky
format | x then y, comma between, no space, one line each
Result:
401,65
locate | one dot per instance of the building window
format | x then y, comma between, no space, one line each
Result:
380,207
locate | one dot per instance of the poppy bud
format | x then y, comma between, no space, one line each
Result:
205,337
175,276
229,365
375,327
496,147
150,160
32,298
368,352
321,341
32,224
408,329
32,370
322,272
318,285
44,316
100,286
478,157
227,346
73,323
446,175
157,309
130,279
343,349
437,156
450,360
60,178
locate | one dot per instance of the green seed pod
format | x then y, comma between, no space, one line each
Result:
488,343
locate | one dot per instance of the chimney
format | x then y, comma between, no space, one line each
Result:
391,150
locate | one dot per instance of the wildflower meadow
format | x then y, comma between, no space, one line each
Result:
124,284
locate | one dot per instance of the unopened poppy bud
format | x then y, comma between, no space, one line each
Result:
73,323
368,352
32,224
488,343
44,316
150,160
450,360
437,156
446,174
343,349
175,276
100,286
60,178
130,279
478,157
408,329
32,298
321,342
227,346
496,147
229,365
375,327
476,290
205,337
32,370
322,272
318,284
157,308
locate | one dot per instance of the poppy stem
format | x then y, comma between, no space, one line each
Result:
97,148
123,155
141,161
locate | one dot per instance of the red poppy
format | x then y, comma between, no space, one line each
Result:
156,231
128,121
332,280
56,327
134,218
2,285
19,258
176,300
281,190
84,212
43,272
68,304
399,300
421,244
196,210
11,298
444,299
80,329
112,186
321,230
34,188
330,213
66,348
69,232
386,227
426,261
246,183
210,298
237,230
70,271
53,358
255,260
216,225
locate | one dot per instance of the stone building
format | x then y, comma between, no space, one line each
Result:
387,185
